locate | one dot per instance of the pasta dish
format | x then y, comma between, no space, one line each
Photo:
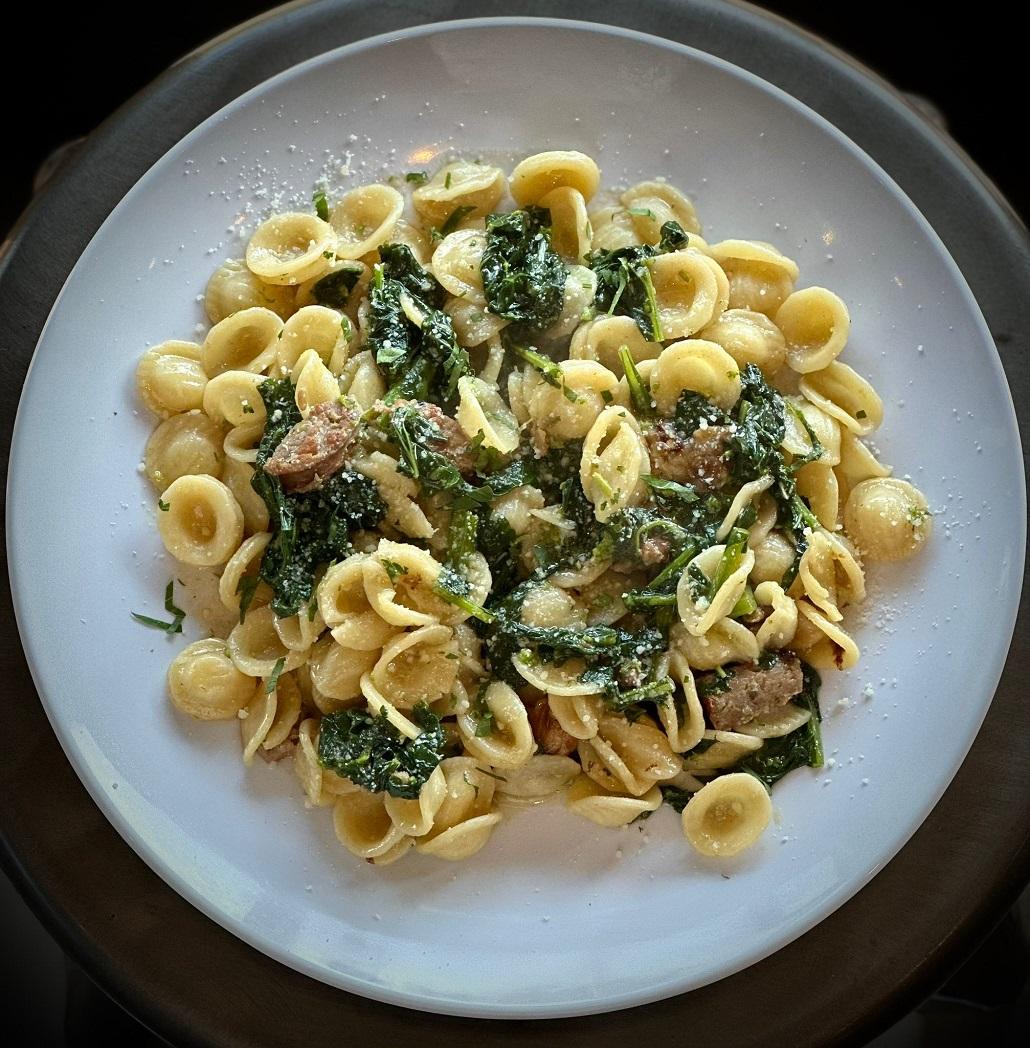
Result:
517,488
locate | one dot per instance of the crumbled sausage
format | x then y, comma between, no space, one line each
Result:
285,749
314,449
455,445
655,550
749,691
551,737
278,753
699,459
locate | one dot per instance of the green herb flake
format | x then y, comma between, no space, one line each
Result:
163,506
321,204
417,178
246,588
455,218
393,569
273,681
175,626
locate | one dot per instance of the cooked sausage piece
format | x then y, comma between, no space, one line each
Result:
655,550
278,753
314,449
455,445
699,459
551,737
749,691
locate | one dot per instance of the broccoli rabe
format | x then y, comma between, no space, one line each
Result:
374,755
308,529
523,277
624,284
413,341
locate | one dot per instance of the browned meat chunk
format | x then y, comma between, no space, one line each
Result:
278,753
314,449
749,691
551,737
455,445
699,459
655,550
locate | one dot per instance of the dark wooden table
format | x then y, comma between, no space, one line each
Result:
193,982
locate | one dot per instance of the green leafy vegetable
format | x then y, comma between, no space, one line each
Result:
246,588
462,530
321,204
163,506
374,755
417,178
415,435
760,418
413,341
393,569
334,288
746,604
676,798
523,277
308,529
551,373
671,489
624,284
639,394
273,681
732,556
497,541
455,589
455,217
399,263
485,721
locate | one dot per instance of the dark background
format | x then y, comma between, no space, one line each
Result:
87,60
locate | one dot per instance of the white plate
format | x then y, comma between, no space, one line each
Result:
555,916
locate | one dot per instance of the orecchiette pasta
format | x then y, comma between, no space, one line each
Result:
681,208
602,338
540,174
727,815
694,366
749,337
760,277
365,218
244,341
203,524
170,378
204,683
290,248
586,528
477,187
691,292
571,233
233,287
314,328
613,462
456,264
181,446
815,324
888,518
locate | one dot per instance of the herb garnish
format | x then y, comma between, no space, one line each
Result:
175,626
